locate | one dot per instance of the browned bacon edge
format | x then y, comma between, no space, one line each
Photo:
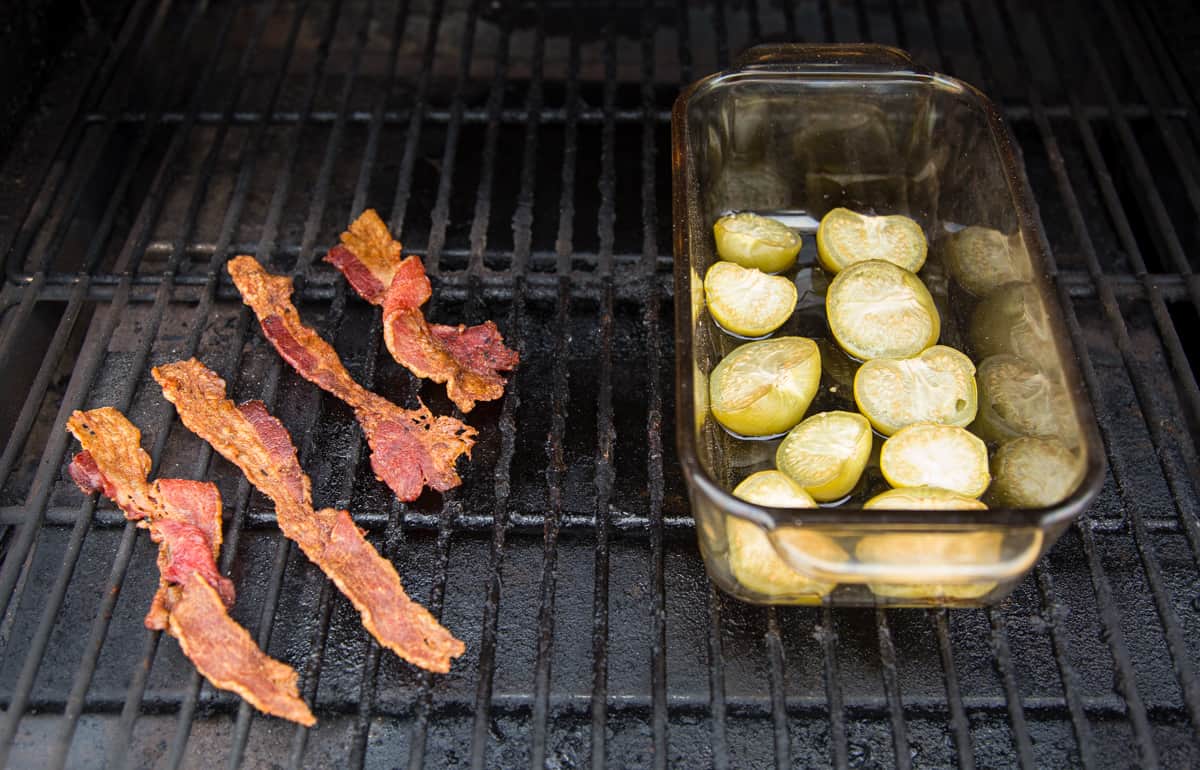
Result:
410,448
251,438
468,359
184,518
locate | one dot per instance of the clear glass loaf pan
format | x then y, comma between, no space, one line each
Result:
793,131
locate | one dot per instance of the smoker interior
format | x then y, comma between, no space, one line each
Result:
523,150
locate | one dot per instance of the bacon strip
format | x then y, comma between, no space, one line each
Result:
410,448
256,442
468,359
184,518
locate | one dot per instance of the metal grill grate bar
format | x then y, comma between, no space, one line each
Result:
891,688
1012,695
394,534
826,634
774,645
1052,614
606,434
413,137
451,505
654,413
560,400
716,680
311,674
958,715
522,225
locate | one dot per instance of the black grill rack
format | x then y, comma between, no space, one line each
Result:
522,149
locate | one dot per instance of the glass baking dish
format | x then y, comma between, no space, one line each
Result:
792,131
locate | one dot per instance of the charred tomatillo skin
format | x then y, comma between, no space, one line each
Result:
826,453
878,310
751,240
747,301
764,388
936,386
754,560
1033,472
927,454
845,237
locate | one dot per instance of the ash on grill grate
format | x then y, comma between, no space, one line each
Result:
522,150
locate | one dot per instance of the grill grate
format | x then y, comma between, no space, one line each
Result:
522,150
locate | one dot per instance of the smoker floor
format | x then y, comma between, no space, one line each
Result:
523,151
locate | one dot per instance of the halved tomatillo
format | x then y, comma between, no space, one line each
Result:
878,310
752,240
747,301
931,455
826,453
936,386
753,559
764,388
1016,399
846,237
1031,472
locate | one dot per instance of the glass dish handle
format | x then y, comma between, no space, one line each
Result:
849,57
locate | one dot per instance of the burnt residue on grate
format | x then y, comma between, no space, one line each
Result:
522,150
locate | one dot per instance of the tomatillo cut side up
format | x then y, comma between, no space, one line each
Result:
764,388
747,301
826,454
845,237
756,241
936,386
878,310
931,455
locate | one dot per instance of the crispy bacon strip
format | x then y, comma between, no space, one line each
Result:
468,359
410,448
184,518
256,442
